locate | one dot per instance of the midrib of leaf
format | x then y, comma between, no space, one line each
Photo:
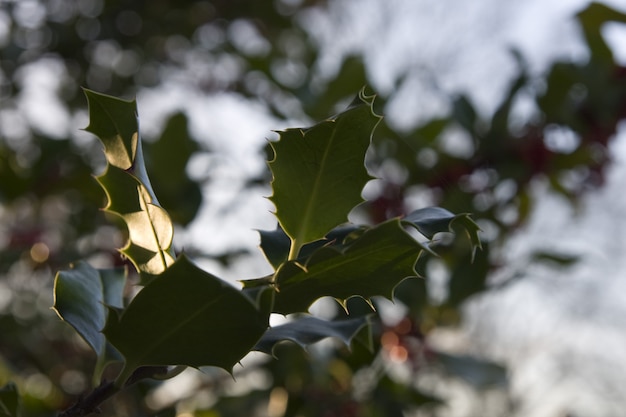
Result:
297,242
152,228
129,367
347,259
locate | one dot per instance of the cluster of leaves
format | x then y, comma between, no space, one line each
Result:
47,195
185,316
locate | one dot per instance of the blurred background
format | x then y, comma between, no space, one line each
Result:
511,111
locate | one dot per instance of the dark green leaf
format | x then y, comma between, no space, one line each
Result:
166,160
9,401
307,330
80,297
275,243
186,316
369,266
432,220
478,372
318,173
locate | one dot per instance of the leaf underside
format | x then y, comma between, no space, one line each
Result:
80,297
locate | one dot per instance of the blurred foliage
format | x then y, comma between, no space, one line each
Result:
49,214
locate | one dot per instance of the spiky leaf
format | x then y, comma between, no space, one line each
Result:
80,297
186,316
371,265
307,330
127,185
319,172
149,227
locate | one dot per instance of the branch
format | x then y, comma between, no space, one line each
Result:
90,404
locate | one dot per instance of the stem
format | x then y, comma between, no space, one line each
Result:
294,250
89,404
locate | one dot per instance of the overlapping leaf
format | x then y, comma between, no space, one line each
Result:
126,183
305,331
80,297
186,316
432,220
369,266
319,173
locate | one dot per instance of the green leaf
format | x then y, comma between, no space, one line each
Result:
80,298
432,220
127,185
166,160
9,401
370,265
114,121
149,227
186,316
275,243
319,173
307,330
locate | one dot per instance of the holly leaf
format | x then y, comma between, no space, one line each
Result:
149,227
9,401
275,243
319,173
370,265
186,316
127,185
305,331
432,220
80,297
166,160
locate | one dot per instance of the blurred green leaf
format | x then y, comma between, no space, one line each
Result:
9,401
127,185
166,160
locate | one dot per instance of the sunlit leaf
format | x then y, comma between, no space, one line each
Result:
127,185
432,220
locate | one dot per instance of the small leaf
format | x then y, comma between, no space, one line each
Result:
319,173
80,296
114,121
307,330
127,185
432,220
275,243
186,316
370,265
9,401
166,160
